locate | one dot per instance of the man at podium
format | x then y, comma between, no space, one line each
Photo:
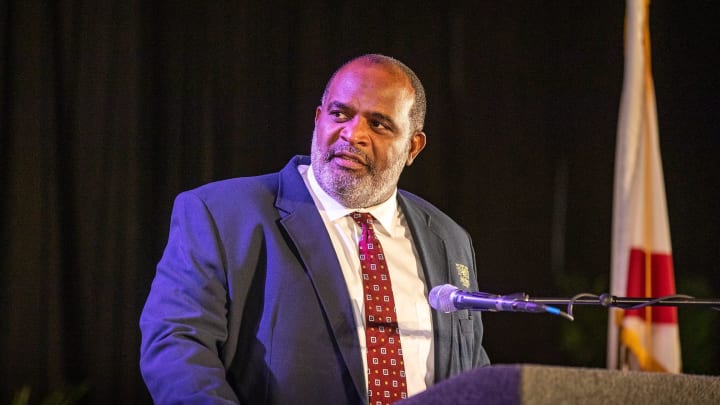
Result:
310,285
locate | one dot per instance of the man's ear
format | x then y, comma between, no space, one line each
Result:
318,110
417,144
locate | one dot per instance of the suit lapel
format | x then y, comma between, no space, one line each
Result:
433,257
305,228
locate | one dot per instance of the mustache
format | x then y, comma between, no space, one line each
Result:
338,149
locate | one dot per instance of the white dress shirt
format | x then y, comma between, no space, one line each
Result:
406,276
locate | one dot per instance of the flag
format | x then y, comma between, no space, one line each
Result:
642,266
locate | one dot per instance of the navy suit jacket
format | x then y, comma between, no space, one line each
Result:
249,304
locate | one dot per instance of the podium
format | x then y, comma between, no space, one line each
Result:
535,384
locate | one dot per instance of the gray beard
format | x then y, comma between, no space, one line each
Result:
348,188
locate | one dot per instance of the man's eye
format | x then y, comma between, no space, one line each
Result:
377,124
338,115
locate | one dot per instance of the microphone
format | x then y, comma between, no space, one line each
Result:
448,298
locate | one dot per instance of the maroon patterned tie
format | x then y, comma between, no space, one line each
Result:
386,368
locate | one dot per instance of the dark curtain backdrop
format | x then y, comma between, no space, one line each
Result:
108,109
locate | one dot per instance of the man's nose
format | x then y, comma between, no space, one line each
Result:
356,131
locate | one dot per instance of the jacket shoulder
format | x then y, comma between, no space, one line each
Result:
265,185
263,188
435,214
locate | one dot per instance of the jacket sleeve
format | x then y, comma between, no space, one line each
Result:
184,321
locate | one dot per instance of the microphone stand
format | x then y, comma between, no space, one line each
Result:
611,301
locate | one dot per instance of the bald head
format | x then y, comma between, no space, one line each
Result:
417,111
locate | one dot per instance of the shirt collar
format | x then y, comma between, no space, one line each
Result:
385,213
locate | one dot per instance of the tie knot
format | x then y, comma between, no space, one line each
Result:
362,218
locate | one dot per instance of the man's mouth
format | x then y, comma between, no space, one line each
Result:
348,160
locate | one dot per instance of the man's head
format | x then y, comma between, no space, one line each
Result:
367,128
417,113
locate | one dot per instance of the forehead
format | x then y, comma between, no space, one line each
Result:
371,86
